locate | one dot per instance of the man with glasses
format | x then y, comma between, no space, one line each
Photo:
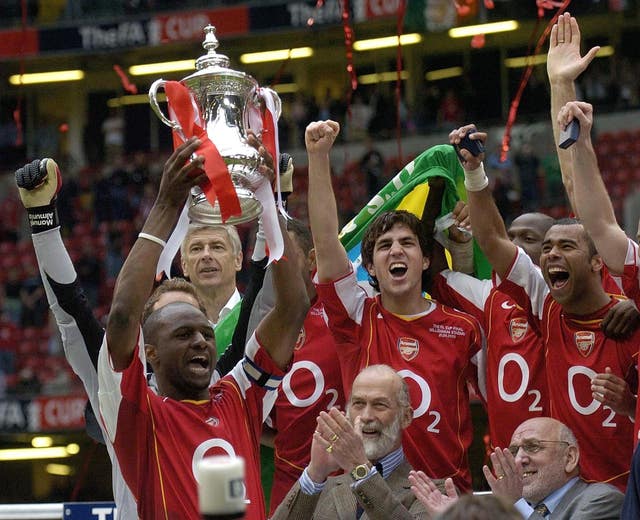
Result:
540,474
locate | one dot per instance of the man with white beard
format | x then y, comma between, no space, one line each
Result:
365,443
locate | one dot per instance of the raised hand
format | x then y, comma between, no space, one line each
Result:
564,62
434,501
320,136
507,481
470,162
38,182
581,111
181,172
341,439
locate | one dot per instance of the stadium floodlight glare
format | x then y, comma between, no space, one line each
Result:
485,28
295,53
449,72
41,442
386,41
286,88
52,452
525,61
605,51
382,77
46,77
539,59
62,470
162,67
133,99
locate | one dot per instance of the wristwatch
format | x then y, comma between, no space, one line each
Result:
360,471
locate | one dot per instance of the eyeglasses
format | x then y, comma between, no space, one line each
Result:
531,447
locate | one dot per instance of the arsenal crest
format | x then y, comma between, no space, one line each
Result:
585,341
518,328
408,347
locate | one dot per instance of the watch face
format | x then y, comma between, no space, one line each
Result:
360,472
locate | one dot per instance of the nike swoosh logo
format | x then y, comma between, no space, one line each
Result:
507,306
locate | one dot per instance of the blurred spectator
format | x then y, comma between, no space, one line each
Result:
383,120
145,204
528,165
113,132
503,187
553,187
372,167
450,110
89,269
358,123
28,383
115,256
34,310
10,217
12,305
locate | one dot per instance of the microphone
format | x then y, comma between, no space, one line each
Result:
221,489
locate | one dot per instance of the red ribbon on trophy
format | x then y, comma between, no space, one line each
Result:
219,185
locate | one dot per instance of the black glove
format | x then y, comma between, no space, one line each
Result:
38,183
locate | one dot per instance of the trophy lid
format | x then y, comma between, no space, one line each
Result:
213,70
210,44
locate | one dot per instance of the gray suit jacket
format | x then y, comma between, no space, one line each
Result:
389,499
589,502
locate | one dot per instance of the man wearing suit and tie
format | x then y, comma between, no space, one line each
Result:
539,473
366,443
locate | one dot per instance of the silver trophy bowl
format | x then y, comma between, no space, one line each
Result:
227,101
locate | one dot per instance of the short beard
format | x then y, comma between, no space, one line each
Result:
376,449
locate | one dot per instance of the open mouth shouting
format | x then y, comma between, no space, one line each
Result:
558,277
398,270
199,365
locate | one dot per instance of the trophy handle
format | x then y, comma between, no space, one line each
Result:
275,100
153,100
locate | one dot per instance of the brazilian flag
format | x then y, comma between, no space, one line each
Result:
408,190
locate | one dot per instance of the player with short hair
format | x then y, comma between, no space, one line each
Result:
432,346
158,439
565,300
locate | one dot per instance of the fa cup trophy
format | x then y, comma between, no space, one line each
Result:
226,103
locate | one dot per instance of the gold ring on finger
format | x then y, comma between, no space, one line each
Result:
334,437
500,477
329,448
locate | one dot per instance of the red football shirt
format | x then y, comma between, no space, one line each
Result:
516,384
576,350
312,384
159,441
435,354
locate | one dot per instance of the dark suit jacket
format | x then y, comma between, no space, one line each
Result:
389,499
589,502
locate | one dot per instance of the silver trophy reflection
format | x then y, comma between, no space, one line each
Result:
228,101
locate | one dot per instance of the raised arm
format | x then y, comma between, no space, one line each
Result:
564,65
135,281
331,258
486,223
592,200
279,329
